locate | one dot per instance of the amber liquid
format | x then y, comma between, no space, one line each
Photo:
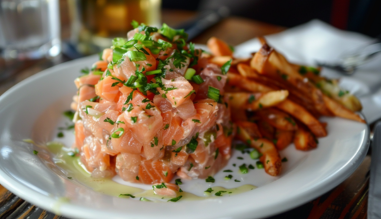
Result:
103,20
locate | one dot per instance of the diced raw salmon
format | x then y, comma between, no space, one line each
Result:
177,90
166,189
107,89
186,110
207,110
128,68
127,166
86,92
79,134
156,171
179,158
87,80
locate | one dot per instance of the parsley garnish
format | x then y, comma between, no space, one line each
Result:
210,179
192,145
175,199
290,121
178,182
60,135
251,98
219,193
126,195
209,190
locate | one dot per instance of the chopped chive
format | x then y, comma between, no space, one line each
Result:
142,199
35,152
117,133
236,180
137,177
60,135
207,167
190,166
156,140
243,169
240,158
225,67
196,121
130,107
189,73
251,167
259,165
284,159
254,154
228,177
134,119
214,93
109,121
227,171
154,72
197,79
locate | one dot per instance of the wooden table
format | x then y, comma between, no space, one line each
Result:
348,200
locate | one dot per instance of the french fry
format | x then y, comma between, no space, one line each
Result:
304,116
304,140
341,111
220,60
266,130
251,129
283,138
270,155
288,106
218,47
256,101
278,119
273,64
294,94
249,85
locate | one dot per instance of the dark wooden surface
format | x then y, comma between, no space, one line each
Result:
348,200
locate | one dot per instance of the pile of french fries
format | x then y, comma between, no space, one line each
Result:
275,103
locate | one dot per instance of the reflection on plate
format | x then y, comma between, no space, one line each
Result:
33,109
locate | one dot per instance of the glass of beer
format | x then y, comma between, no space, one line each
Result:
102,20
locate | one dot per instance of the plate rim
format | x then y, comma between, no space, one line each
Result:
44,201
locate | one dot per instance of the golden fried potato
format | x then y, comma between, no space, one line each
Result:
270,155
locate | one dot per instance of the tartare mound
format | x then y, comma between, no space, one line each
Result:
151,108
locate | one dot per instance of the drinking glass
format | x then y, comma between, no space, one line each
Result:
102,20
29,29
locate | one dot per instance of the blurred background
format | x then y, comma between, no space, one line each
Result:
61,30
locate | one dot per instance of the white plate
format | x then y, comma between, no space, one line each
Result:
33,109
